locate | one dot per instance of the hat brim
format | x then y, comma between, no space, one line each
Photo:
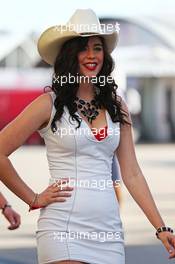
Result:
52,39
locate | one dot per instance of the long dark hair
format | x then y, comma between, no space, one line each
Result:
66,64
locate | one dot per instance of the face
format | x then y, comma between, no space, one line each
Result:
91,58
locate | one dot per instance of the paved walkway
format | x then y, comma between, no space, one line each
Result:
152,254
158,165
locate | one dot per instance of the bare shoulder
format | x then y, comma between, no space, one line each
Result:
123,103
44,101
125,109
46,107
25,124
41,108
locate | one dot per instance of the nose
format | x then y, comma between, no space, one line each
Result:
90,54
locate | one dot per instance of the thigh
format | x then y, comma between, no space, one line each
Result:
69,262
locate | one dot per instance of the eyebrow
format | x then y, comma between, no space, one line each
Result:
97,44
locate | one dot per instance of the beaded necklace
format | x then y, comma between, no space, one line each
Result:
88,108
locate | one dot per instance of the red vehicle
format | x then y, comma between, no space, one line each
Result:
12,102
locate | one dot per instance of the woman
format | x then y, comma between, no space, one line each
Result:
12,217
79,217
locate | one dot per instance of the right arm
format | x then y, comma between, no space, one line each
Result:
12,217
12,137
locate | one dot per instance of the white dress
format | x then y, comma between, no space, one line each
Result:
87,226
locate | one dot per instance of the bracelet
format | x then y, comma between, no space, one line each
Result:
5,206
31,206
163,229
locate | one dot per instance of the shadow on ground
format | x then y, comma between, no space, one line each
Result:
147,254
18,256
152,254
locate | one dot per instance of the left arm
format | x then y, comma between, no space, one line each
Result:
136,184
133,177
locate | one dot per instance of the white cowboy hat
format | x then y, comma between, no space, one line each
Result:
83,23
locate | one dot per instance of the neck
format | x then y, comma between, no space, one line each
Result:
86,91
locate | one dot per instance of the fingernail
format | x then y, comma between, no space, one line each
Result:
170,251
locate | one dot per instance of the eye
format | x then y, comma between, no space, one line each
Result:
98,48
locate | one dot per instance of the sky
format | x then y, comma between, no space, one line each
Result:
23,16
